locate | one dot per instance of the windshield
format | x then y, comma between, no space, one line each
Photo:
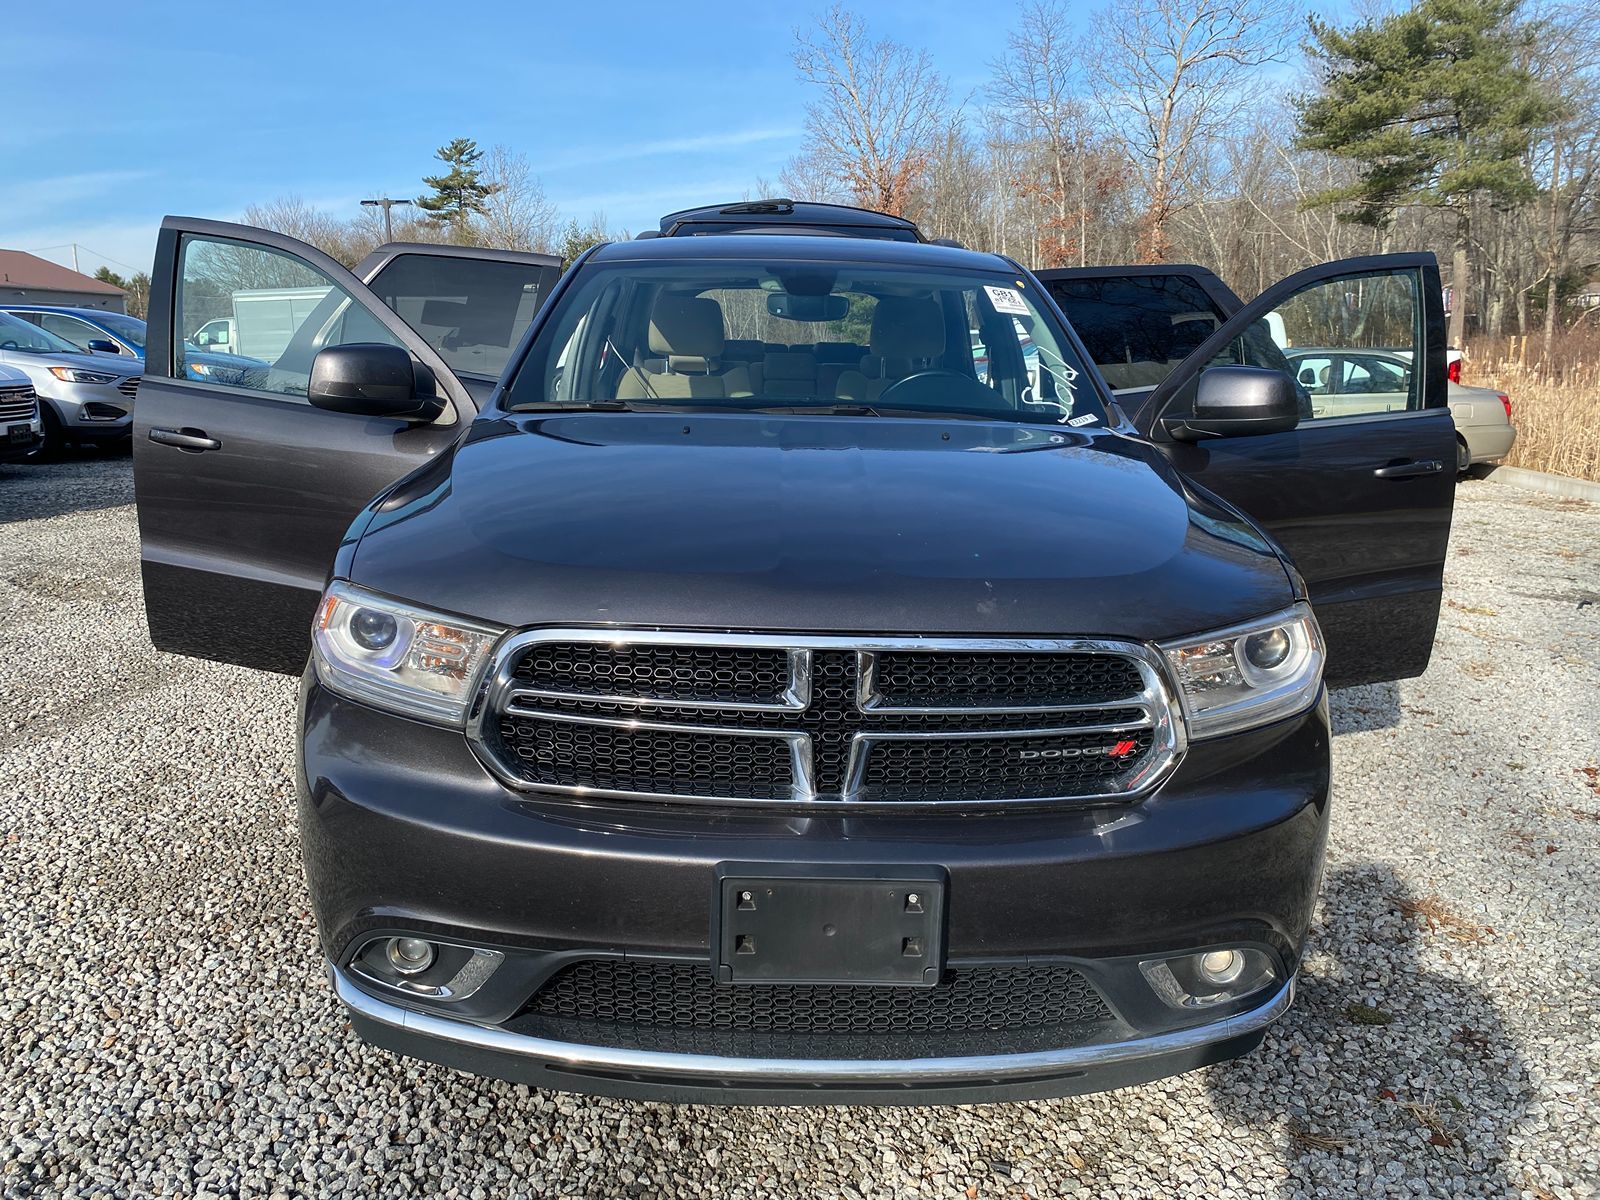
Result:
129,329
17,334
775,336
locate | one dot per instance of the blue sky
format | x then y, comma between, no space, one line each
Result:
632,109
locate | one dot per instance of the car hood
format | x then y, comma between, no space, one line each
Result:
844,525
114,364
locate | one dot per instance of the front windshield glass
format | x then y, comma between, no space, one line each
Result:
129,329
17,334
774,336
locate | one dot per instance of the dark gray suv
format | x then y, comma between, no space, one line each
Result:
768,668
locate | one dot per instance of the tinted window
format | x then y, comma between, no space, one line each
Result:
19,335
284,311
1138,328
73,330
473,311
1317,336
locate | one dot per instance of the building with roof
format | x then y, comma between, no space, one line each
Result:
27,279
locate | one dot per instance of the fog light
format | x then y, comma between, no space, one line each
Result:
1210,977
410,956
1222,967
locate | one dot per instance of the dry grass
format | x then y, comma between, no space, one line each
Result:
1435,914
1555,405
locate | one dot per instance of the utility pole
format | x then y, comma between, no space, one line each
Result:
386,204
75,256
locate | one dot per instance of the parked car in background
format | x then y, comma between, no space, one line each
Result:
20,430
84,399
1350,382
97,332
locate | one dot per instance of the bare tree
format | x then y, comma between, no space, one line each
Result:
516,215
1172,76
880,110
1039,84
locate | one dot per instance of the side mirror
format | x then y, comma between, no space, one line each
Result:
103,346
369,379
1237,402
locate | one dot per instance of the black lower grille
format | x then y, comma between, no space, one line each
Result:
686,997
1000,768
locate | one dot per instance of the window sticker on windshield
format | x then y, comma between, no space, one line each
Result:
1086,419
1006,300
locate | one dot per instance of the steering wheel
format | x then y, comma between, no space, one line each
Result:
931,389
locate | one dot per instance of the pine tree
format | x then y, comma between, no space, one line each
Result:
458,195
1435,108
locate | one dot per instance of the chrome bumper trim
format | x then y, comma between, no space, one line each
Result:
806,1070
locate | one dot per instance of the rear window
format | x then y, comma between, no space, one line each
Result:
1137,329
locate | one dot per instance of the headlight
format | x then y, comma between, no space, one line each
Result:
201,369
397,656
77,375
1249,675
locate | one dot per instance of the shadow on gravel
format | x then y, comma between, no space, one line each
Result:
1386,1077
1371,706
80,482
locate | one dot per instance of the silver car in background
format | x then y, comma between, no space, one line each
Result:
83,398
1359,381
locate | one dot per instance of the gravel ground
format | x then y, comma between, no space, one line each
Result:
166,1029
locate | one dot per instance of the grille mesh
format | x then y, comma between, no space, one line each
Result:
686,996
952,680
566,754
710,674
541,748
988,768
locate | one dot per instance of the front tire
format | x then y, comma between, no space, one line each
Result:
1463,456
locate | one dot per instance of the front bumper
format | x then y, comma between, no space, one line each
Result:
11,451
90,412
724,1079
403,829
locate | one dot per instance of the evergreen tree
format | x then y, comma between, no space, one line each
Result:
459,194
1435,108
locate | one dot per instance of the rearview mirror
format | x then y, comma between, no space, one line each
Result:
807,308
369,379
103,346
1237,402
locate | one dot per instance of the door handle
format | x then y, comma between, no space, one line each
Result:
185,439
1410,470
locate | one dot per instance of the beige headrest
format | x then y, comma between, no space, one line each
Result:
904,327
686,325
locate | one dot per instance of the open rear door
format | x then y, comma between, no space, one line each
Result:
1359,498
244,489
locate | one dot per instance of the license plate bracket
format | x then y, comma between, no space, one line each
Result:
19,433
828,924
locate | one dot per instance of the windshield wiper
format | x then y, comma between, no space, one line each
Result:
576,406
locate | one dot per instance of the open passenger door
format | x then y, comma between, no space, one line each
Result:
244,488
1360,500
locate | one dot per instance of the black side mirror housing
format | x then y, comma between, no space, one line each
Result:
369,379
1237,402
104,346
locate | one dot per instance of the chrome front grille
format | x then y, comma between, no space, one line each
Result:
856,722
129,387
17,404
